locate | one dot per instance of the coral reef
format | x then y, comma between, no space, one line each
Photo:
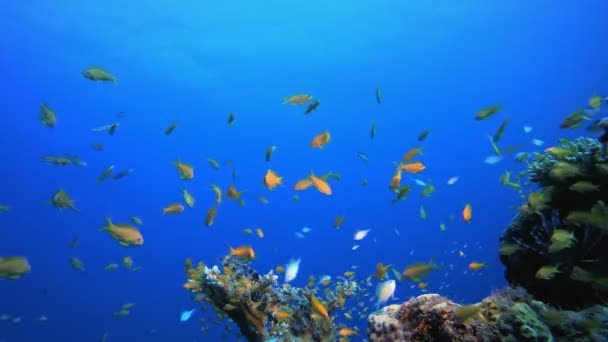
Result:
507,315
261,308
429,317
557,245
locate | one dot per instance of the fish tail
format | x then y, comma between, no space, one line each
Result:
108,222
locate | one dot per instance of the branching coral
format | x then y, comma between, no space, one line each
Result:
261,308
583,152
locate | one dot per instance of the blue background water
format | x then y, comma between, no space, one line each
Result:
195,61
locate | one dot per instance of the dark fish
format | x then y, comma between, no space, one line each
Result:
97,146
574,120
598,126
372,133
378,95
269,151
122,174
74,242
112,129
311,107
501,130
487,112
171,128
231,119
422,136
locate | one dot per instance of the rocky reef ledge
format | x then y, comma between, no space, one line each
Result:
507,315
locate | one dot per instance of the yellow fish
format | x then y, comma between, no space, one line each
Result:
14,267
186,171
298,99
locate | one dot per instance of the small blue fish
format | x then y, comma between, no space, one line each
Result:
538,142
491,160
418,181
185,315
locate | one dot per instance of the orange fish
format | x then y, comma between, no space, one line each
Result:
232,193
303,184
125,234
320,140
338,222
409,155
381,270
243,252
476,266
174,208
415,167
346,332
320,184
186,171
211,213
282,315
422,285
318,307
467,213
396,180
272,179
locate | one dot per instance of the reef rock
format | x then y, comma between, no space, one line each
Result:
429,317
509,315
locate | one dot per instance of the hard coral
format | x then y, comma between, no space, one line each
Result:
573,180
425,318
509,315
262,309
583,152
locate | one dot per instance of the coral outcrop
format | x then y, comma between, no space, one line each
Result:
263,310
557,245
510,315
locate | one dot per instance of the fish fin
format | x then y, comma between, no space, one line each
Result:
124,244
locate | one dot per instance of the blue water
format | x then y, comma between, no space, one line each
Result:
194,62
